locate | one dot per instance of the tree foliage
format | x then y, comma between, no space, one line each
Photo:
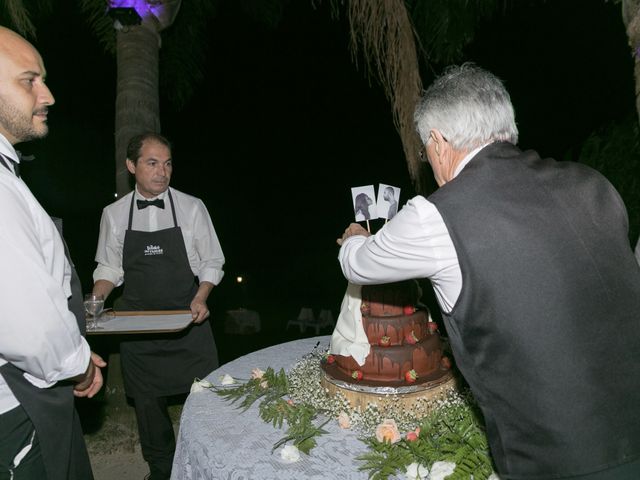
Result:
444,27
614,151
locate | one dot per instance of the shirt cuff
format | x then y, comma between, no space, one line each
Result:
75,364
211,275
103,272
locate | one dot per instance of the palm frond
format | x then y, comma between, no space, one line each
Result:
16,15
445,27
95,12
383,34
184,50
266,12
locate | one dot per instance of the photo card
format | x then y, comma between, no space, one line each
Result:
364,206
388,201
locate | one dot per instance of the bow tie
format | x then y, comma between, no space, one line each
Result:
158,202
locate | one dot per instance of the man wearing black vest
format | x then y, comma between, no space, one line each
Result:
537,282
44,360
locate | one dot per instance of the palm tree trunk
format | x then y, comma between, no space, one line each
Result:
137,111
631,18
137,99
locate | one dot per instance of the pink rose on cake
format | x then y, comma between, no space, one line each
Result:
256,373
388,431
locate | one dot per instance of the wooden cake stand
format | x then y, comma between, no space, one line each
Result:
407,396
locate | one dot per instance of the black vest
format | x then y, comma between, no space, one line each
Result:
547,326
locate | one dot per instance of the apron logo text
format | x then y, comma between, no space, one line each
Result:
153,250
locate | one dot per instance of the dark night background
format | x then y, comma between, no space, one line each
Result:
284,124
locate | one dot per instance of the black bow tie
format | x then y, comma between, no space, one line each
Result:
158,202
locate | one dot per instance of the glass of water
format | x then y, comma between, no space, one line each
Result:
93,305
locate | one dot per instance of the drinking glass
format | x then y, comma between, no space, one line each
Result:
93,305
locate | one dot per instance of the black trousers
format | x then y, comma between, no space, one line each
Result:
626,471
157,439
16,433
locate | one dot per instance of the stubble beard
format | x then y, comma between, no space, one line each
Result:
19,125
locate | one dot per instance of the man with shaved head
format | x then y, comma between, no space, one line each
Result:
44,360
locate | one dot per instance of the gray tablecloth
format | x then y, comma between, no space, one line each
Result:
218,441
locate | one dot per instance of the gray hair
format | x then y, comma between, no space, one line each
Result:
469,106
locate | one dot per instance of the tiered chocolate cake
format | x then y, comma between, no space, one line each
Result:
405,347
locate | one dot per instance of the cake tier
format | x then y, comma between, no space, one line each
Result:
395,327
390,298
389,364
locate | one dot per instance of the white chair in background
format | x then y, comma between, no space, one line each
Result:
305,318
325,319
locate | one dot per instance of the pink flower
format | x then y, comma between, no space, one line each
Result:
256,373
412,436
264,384
387,431
344,421
290,402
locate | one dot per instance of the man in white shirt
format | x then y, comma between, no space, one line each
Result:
530,262
40,343
161,244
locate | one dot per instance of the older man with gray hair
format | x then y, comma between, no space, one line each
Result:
537,282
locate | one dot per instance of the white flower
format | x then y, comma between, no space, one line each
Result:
416,471
440,470
290,454
494,476
257,373
200,385
227,379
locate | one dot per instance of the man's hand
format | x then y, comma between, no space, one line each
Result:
92,381
199,310
353,229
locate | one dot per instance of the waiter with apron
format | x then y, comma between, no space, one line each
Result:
161,243
52,410
42,352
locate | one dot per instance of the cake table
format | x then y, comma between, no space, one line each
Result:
218,441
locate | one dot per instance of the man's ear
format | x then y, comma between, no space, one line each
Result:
438,139
131,167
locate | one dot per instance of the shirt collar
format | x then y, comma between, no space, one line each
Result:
138,195
468,158
7,149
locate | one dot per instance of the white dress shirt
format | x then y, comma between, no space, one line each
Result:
38,333
414,244
203,248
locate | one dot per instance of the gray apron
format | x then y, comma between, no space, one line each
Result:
160,278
